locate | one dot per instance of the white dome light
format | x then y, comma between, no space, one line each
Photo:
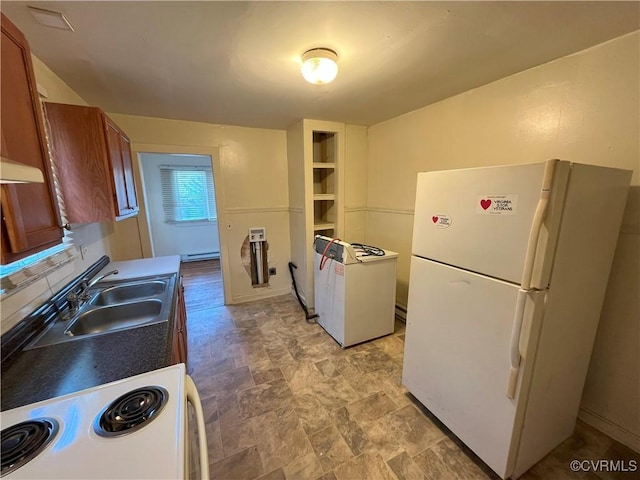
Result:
319,65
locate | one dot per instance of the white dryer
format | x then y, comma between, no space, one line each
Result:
355,290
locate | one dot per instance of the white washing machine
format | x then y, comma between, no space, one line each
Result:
355,290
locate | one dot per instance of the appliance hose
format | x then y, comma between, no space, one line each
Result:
307,316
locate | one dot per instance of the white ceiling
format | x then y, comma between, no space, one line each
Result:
237,63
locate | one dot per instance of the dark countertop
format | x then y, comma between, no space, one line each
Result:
51,371
55,370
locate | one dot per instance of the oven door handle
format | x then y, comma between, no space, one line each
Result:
194,398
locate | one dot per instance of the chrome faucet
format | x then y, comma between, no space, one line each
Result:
77,299
85,284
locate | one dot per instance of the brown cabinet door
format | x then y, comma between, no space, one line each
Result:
30,218
114,149
127,163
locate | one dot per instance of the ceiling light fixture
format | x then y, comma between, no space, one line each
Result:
49,18
319,65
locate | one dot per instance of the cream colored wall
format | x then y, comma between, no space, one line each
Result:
355,187
583,108
297,217
250,171
16,305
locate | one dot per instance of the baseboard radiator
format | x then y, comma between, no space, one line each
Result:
194,257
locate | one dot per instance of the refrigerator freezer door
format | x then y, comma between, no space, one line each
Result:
479,219
456,360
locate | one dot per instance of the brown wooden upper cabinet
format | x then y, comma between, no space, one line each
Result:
93,159
30,217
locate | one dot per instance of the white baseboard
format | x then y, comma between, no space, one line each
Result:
621,434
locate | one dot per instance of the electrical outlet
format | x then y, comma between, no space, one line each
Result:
272,271
229,227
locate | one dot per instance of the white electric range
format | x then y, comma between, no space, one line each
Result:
137,427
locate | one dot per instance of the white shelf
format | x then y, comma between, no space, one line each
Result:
324,165
323,196
323,226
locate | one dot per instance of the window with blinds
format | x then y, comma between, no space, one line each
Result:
188,194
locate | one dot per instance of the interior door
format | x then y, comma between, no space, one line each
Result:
456,359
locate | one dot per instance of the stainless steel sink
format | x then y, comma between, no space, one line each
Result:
128,292
115,317
115,307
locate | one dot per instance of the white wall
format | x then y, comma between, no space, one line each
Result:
355,183
583,108
174,238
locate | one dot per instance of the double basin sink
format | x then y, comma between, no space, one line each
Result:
113,307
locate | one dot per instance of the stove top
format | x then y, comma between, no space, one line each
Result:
138,420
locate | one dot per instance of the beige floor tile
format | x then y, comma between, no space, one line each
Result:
334,392
214,439
301,375
277,474
353,434
330,447
369,360
433,467
372,407
236,433
310,411
278,354
265,371
391,345
368,465
245,464
333,367
405,468
281,437
263,398
230,382
328,476
303,468
405,429
458,461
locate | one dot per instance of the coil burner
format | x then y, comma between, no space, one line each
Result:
131,411
24,441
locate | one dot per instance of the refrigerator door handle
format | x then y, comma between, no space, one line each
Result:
536,226
514,349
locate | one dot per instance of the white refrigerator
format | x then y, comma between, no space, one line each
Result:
508,274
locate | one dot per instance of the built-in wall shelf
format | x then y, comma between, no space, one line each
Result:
324,226
323,196
316,162
323,165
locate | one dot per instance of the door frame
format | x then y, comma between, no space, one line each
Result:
144,227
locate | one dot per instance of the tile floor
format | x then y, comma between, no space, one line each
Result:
283,401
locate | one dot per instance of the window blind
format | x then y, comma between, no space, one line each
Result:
188,193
